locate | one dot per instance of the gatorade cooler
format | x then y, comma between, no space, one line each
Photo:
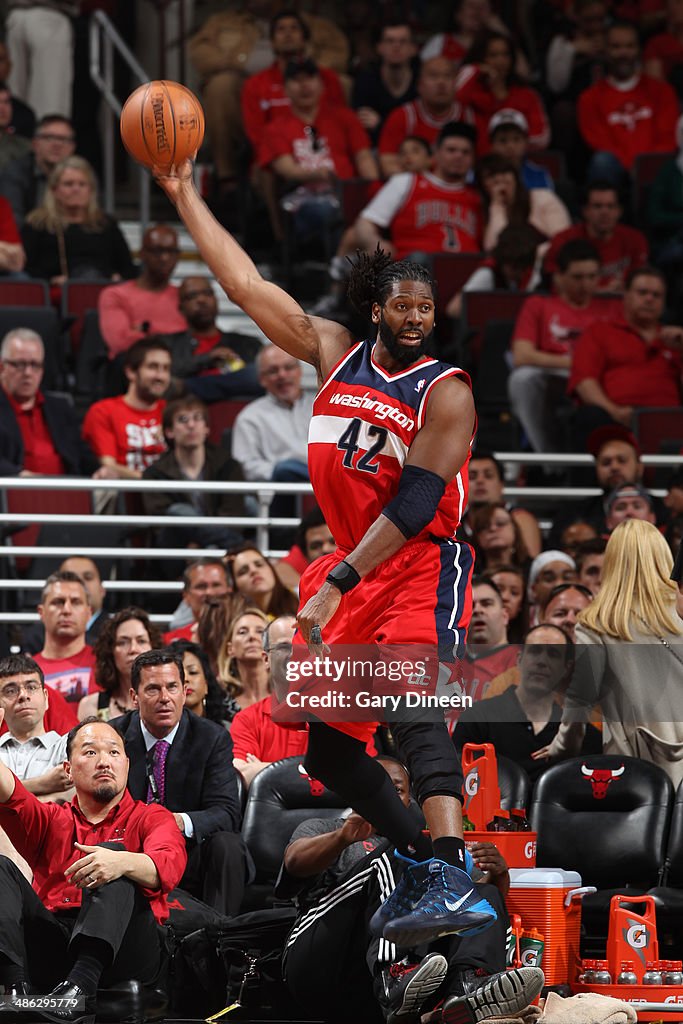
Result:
549,899
632,936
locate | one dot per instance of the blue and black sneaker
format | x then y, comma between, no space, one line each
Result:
412,886
450,905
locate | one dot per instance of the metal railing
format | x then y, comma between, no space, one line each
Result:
105,41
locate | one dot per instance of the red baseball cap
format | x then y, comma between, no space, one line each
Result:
611,432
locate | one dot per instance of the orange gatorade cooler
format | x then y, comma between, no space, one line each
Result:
632,936
549,899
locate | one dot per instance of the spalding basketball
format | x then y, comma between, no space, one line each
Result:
162,123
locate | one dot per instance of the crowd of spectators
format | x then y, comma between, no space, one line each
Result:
464,150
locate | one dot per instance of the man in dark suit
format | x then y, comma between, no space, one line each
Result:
185,763
39,432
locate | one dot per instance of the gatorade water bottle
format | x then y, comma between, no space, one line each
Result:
500,822
627,975
673,974
602,975
589,972
518,816
531,948
652,976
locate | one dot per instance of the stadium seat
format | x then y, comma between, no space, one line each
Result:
77,503
92,364
354,196
78,297
280,798
608,818
24,293
659,430
514,784
222,416
450,271
478,308
644,172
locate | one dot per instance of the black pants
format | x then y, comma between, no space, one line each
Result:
331,959
216,871
41,941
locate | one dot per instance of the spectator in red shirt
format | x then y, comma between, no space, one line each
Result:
435,107
627,112
663,56
258,740
628,361
488,651
621,248
432,212
488,83
55,931
66,659
543,341
125,432
264,97
149,304
310,147
39,432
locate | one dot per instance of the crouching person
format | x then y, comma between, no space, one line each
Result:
341,871
102,866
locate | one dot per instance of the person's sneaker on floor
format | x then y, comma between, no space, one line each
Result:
411,887
450,905
406,986
496,995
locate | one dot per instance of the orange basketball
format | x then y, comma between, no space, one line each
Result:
162,123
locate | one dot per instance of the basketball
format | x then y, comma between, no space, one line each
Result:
162,123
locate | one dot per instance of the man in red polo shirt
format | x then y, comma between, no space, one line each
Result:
126,432
627,362
263,97
543,341
39,432
621,248
102,866
435,107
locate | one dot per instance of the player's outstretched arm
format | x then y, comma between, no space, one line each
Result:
440,448
280,317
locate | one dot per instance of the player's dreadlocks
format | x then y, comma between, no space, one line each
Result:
373,275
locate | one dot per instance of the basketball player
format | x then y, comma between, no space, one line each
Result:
389,473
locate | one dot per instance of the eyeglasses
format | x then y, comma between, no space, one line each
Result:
12,690
65,140
22,365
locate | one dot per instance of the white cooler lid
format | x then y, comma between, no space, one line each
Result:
544,878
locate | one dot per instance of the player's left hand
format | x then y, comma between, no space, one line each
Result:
318,611
98,867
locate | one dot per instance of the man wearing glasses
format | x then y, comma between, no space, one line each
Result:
24,179
35,755
39,432
149,304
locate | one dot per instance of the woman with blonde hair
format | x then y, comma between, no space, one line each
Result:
69,236
242,663
630,656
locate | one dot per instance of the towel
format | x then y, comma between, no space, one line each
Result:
531,1015
587,1008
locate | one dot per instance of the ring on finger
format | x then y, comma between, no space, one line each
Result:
316,635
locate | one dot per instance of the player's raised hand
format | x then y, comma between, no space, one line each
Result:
175,179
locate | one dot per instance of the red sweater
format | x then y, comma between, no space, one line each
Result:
473,91
627,122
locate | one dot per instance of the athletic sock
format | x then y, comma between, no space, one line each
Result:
92,958
451,850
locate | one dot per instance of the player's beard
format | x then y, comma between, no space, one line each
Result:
403,355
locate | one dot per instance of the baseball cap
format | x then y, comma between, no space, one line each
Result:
627,491
507,118
598,438
307,66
